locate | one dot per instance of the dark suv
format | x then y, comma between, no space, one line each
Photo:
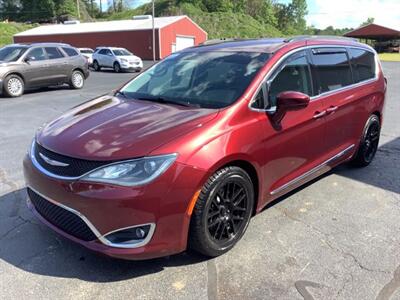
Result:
40,65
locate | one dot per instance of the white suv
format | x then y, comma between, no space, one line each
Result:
119,59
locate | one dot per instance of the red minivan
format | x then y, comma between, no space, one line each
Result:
184,154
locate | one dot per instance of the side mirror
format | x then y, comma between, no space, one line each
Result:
29,59
290,101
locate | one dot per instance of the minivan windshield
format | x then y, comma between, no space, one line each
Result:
212,79
11,53
121,52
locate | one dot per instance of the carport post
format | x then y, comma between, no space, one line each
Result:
154,33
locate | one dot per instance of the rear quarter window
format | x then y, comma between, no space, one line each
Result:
362,63
331,67
71,51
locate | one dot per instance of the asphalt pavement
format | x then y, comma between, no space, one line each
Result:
335,238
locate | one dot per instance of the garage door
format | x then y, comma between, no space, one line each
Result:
184,42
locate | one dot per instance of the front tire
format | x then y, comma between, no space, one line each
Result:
222,212
77,80
14,86
117,67
369,142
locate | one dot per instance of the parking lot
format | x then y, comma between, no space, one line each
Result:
336,238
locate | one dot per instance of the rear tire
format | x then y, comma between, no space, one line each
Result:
77,80
369,143
117,67
96,66
14,86
222,212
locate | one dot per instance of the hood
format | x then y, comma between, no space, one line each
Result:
111,128
129,58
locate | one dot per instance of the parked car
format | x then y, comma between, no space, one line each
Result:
119,59
40,65
184,154
88,53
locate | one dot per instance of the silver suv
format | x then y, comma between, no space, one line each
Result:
24,66
119,59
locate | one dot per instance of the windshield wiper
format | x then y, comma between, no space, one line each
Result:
122,94
164,101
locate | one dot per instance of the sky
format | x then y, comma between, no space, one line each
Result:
351,13
340,13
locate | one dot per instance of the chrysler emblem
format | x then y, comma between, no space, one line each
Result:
52,161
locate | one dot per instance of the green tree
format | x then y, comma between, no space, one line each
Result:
9,9
370,20
37,10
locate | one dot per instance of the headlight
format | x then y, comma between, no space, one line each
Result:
133,172
124,60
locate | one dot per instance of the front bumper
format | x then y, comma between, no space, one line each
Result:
109,208
132,66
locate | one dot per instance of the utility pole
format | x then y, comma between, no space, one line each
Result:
154,33
79,13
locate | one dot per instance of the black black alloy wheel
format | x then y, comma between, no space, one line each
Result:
222,212
226,213
369,143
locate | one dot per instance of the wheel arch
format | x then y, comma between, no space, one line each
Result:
245,163
15,73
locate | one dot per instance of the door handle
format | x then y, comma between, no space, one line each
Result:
331,109
318,114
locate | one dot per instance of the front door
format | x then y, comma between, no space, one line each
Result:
297,146
35,67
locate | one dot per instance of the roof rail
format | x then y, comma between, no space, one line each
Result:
223,40
314,37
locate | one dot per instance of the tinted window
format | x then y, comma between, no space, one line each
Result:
86,51
103,52
363,64
37,54
121,52
71,51
53,52
204,79
294,76
332,69
12,53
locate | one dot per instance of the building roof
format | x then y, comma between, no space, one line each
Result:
374,32
106,26
265,45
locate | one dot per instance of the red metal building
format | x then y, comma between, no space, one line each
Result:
172,34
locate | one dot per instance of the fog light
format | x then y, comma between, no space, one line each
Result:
140,233
129,235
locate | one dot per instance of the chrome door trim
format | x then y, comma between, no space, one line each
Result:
101,237
316,97
312,171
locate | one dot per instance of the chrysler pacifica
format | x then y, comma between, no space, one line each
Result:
184,154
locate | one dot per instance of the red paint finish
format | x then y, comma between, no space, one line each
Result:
183,27
279,151
139,42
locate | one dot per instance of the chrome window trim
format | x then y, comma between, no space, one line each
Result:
100,237
293,51
312,171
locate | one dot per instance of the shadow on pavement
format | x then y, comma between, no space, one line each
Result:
28,245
